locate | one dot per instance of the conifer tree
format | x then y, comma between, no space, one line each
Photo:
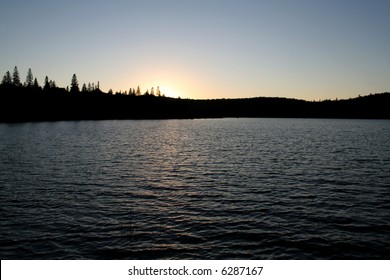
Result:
52,84
74,85
84,88
47,84
138,92
7,79
29,79
36,84
16,77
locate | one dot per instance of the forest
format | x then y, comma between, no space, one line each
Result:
29,101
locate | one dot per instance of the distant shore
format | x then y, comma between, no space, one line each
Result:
23,104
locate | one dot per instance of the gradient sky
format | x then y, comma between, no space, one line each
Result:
203,48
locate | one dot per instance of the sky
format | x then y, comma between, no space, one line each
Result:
203,49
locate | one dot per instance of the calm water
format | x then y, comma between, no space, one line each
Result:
197,189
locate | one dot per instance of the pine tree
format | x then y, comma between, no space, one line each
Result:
52,84
138,92
158,91
74,85
7,79
84,88
16,77
152,91
29,79
47,84
36,84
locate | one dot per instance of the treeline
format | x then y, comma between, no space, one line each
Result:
29,101
14,82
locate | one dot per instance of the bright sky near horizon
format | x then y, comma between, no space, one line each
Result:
203,48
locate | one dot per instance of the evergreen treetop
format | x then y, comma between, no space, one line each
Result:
16,77
74,85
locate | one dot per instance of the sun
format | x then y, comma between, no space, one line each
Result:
170,91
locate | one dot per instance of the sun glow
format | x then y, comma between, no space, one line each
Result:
170,91
172,81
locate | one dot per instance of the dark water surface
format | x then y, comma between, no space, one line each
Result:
197,189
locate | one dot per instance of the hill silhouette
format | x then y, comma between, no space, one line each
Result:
31,102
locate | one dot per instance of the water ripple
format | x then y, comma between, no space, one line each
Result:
195,189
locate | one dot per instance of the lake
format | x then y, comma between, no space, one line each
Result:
195,189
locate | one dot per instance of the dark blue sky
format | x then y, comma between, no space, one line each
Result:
204,48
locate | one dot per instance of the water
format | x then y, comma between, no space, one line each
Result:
196,189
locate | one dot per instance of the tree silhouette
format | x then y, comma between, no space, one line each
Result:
52,84
36,84
16,77
7,79
74,85
20,106
29,78
46,86
84,88
158,92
